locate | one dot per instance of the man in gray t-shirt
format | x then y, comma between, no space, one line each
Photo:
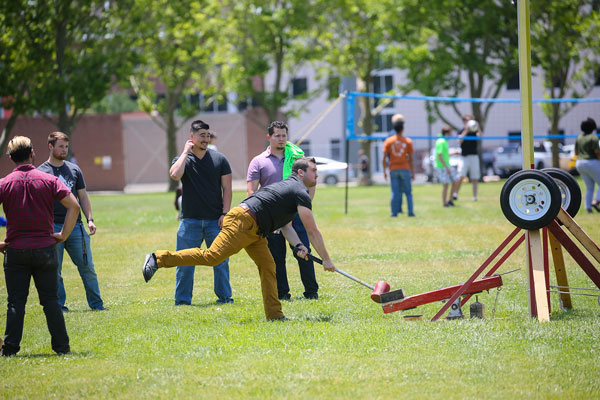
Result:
272,207
78,243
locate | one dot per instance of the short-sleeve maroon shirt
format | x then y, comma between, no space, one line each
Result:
27,197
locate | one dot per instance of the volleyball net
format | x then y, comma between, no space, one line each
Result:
425,115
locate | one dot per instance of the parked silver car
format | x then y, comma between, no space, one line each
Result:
330,171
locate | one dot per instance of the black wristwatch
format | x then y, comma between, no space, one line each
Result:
91,219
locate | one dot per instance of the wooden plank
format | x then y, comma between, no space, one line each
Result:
561,272
441,294
538,276
578,255
546,266
579,234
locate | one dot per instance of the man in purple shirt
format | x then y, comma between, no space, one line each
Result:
30,244
265,169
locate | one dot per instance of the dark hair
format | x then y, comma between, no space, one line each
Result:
277,124
19,148
467,117
399,126
446,130
199,124
56,136
302,163
588,126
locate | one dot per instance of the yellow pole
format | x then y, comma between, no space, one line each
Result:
537,283
525,84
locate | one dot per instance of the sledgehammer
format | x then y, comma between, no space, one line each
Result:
379,288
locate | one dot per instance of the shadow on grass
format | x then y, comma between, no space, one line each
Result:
54,355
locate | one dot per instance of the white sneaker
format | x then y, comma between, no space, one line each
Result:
474,198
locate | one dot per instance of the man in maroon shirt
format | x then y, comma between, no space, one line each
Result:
29,247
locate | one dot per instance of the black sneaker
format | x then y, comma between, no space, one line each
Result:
150,266
450,203
286,296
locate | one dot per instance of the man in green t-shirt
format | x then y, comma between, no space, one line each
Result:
443,172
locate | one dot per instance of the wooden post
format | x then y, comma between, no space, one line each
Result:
561,272
537,276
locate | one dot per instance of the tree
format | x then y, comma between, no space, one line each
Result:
471,46
267,42
565,40
69,53
357,41
176,41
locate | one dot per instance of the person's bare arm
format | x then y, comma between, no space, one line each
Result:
86,207
226,185
251,187
385,164
72,206
315,237
178,168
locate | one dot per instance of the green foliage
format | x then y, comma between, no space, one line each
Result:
176,43
469,45
115,103
340,346
263,37
62,56
565,40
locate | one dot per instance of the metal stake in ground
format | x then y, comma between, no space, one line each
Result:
377,290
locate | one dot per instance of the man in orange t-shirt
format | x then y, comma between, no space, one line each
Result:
399,150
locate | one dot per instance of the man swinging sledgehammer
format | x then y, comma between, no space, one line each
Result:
245,226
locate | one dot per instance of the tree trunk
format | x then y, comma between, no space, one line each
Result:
6,132
171,103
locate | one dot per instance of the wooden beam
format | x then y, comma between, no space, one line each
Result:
561,272
537,275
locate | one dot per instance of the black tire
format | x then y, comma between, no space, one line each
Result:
569,190
331,180
530,199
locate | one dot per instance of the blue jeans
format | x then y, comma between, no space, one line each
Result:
78,248
277,247
190,234
400,182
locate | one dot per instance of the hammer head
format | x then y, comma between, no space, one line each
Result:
380,287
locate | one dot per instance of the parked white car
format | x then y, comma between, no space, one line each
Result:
428,163
330,171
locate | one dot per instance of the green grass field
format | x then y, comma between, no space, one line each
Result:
341,346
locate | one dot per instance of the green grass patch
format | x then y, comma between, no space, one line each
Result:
340,346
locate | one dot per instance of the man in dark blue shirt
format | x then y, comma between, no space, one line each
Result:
244,227
78,244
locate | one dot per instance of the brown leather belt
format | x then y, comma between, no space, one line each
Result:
245,207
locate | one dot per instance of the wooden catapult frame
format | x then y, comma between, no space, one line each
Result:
552,236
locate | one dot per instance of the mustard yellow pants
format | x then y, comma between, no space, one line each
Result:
239,232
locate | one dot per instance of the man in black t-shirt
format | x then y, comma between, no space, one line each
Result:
470,155
244,227
205,176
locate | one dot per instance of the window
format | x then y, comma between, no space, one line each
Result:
299,87
305,146
513,82
514,136
335,149
333,87
383,123
383,84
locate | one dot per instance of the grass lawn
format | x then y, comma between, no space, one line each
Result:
341,346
